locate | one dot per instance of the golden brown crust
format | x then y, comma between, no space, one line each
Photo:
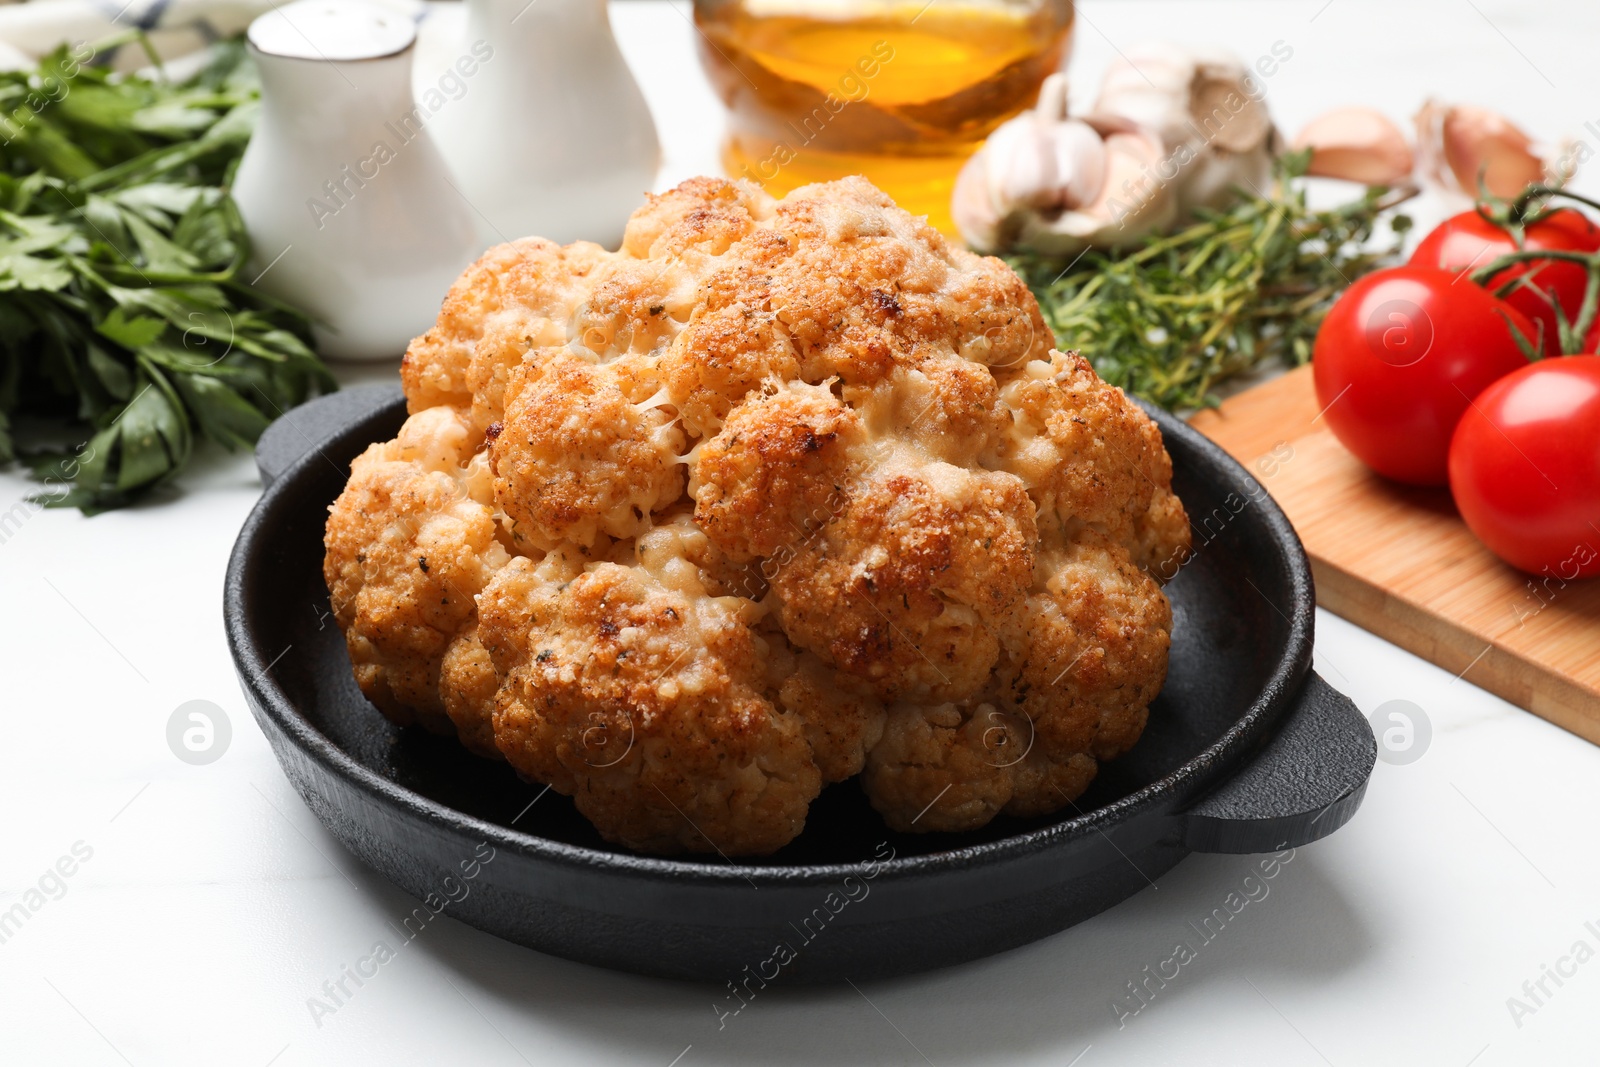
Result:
776,471
409,544
705,215
1090,457
791,491
955,767
519,295
1104,619
573,458
645,705
909,587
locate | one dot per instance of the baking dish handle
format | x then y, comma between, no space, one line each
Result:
1305,783
313,424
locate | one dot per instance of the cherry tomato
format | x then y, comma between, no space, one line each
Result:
1469,241
1399,357
1525,467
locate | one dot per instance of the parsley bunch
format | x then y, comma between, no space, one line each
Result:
126,327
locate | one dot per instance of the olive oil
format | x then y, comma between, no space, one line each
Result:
902,93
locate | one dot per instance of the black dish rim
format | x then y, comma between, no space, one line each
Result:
1230,750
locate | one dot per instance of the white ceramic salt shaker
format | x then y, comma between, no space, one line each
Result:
350,209
541,121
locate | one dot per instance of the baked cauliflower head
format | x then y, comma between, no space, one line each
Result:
780,493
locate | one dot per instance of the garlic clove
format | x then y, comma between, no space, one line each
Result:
1055,184
1477,142
1039,161
1148,84
1029,164
1357,144
1209,112
1190,95
1221,105
1052,103
1080,163
1130,157
1459,145
1020,165
1131,203
972,209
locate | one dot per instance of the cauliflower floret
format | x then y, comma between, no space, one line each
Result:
467,687
779,493
644,704
948,408
1072,687
1095,636
702,215
911,587
518,295
843,720
732,346
409,544
956,766
678,552
1090,457
776,471
842,284
870,287
574,458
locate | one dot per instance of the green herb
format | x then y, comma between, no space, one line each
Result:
126,325
1171,320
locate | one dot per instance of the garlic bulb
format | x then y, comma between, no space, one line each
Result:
1208,111
1356,144
1057,184
1042,164
1174,129
1457,145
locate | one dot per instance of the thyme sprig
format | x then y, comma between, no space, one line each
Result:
1172,319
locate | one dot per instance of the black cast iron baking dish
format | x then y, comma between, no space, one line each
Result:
1247,750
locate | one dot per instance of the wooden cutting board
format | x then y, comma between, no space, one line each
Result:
1400,562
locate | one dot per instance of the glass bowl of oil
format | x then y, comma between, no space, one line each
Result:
900,92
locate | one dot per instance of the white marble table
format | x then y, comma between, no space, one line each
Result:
206,904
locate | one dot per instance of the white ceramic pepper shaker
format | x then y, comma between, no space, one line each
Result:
349,205
549,135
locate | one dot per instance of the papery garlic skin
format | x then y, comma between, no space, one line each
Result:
1459,145
1208,111
1175,129
1131,204
1358,144
1033,163
973,209
1057,184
